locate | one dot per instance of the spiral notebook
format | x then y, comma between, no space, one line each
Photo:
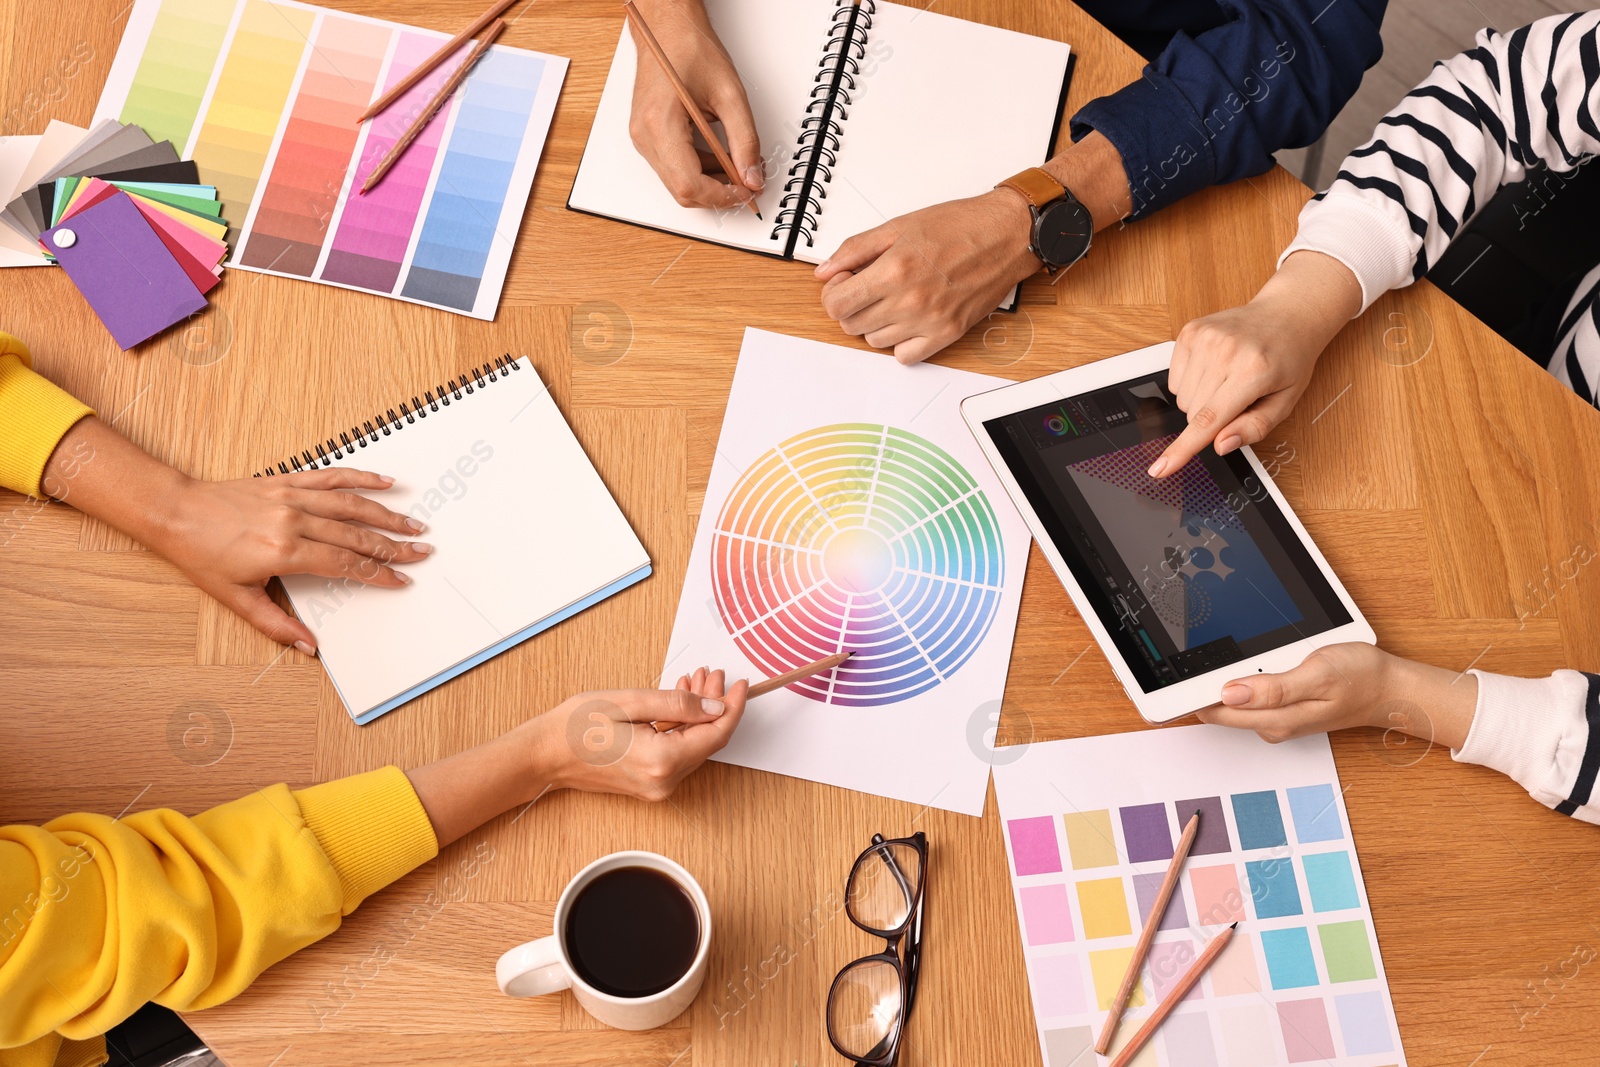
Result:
525,535
869,110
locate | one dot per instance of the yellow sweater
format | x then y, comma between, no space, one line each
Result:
34,416
99,915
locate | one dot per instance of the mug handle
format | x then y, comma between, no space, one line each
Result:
532,969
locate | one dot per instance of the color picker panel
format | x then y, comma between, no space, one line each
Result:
291,222
860,537
375,228
175,69
463,217
248,101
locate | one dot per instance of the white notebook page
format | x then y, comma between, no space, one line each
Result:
944,108
776,46
521,524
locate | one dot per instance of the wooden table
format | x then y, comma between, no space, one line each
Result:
1447,478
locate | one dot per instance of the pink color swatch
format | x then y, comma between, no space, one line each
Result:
1033,845
1057,983
1045,914
373,232
1306,1035
1169,961
1217,898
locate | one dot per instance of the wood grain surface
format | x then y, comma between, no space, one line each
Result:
1449,481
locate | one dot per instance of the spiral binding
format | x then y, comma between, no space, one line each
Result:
383,425
817,147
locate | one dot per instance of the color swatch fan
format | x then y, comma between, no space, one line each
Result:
862,538
849,509
264,95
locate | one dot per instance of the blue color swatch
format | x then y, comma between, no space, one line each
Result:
1273,888
1316,816
1331,881
464,215
1289,960
1259,819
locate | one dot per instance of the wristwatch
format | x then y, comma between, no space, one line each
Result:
1062,226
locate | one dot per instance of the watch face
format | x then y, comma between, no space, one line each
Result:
1062,232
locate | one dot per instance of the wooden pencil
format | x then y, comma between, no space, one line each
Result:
438,101
445,51
827,663
1152,923
1174,997
695,114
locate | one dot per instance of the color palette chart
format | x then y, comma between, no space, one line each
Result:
1090,828
264,96
862,537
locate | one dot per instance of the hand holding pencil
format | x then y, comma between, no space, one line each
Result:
662,127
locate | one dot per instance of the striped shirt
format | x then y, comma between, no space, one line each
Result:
1479,121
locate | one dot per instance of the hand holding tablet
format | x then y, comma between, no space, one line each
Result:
1187,582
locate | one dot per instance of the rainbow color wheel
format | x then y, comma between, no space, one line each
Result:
860,537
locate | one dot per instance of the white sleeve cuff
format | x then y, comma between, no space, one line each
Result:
1370,235
1533,730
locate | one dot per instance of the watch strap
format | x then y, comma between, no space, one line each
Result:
1036,186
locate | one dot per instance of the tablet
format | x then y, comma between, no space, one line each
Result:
1187,582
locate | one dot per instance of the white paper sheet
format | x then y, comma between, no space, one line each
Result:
850,508
1090,829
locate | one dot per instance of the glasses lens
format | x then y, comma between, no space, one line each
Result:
884,885
864,1011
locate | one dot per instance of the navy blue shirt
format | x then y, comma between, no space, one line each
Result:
1236,81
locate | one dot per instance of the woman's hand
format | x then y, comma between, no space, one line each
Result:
1347,685
1239,373
663,132
637,742
640,742
230,539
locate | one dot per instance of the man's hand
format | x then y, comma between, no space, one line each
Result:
917,283
663,132
1239,373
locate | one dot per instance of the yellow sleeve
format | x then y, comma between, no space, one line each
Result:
34,416
99,915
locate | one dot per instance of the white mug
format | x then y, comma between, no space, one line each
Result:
544,966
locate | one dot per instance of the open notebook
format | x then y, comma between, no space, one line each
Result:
525,535
867,110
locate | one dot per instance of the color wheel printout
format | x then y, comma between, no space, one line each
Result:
849,509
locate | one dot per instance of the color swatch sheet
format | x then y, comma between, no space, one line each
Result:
264,96
849,508
1090,826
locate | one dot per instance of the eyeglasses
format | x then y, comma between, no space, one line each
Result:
872,998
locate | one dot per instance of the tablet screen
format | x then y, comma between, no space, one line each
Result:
1189,573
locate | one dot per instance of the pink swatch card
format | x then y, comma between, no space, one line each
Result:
125,271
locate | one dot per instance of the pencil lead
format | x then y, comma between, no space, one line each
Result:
759,216
1234,925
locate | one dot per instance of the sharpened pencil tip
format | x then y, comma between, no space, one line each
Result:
1234,925
760,216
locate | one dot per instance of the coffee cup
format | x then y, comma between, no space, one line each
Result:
631,940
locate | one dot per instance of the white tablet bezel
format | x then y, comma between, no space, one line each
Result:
1191,694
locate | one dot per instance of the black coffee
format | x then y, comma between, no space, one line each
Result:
632,932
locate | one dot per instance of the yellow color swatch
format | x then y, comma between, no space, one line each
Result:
1089,839
1108,965
1104,904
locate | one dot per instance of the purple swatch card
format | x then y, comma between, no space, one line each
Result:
123,269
